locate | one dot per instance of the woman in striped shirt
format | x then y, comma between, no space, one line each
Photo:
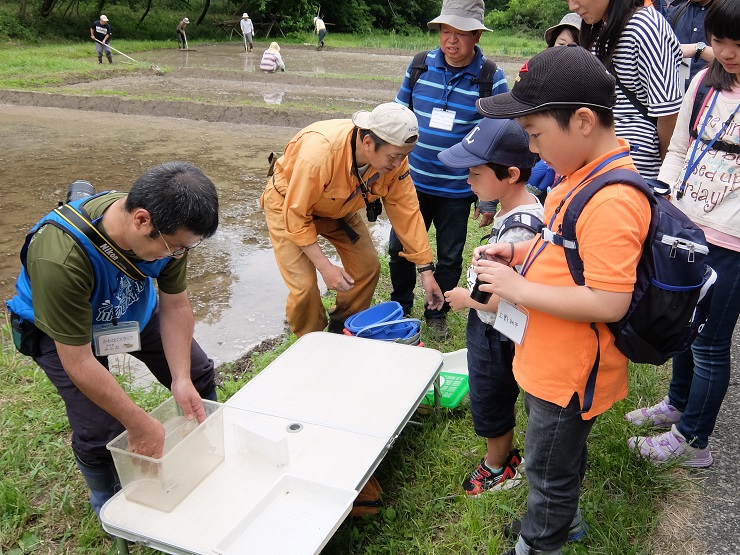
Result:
640,50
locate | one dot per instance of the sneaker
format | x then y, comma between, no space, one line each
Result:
483,479
575,533
671,446
661,415
437,328
515,460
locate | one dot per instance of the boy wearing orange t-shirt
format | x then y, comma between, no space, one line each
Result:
563,97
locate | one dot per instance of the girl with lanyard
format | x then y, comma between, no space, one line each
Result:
704,174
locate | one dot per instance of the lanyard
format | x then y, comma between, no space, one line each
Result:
693,158
530,257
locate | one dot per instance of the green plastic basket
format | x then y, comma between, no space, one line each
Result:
453,389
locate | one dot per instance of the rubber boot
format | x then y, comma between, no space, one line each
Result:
110,59
102,479
100,60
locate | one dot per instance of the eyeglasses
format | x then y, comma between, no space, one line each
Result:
180,250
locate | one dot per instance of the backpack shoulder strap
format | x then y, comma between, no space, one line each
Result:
575,207
418,66
485,79
520,219
700,100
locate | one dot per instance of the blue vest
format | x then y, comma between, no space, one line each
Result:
114,293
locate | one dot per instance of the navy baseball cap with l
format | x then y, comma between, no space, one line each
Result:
562,77
499,141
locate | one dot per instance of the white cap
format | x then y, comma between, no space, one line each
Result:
103,18
185,20
393,123
245,15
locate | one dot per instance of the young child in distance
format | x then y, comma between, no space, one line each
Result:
497,153
563,97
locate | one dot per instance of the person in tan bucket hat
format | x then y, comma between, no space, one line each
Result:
329,174
441,87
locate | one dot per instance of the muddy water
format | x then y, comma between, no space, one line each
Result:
237,293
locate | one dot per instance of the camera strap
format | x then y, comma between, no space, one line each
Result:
82,224
363,184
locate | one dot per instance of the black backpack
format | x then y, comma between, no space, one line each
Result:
674,284
484,81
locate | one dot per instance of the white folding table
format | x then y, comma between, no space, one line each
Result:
301,440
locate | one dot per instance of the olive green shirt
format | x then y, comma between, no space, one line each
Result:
62,278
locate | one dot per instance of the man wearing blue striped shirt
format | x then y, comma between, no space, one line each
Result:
443,99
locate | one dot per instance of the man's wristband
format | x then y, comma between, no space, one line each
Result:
424,268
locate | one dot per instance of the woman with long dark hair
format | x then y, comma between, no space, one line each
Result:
703,169
638,47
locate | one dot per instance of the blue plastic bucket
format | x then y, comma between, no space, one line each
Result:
385,322
383,312
401,331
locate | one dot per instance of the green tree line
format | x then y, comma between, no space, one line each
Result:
151,19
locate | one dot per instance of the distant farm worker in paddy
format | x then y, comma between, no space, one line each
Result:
100,33
182,40
272,60
247,31
320,30
329,172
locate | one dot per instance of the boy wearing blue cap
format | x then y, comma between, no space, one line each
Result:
500,162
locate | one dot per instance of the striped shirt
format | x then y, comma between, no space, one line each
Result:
439,87
646,61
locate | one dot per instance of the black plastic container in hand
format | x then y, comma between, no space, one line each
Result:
476,294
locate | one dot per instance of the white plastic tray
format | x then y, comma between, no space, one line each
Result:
296,516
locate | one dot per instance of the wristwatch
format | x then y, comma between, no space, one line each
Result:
426,267
700,46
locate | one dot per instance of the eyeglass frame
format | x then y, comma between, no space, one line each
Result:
181,251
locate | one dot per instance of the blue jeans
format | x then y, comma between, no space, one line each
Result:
701,375
450,219
556,451
493,389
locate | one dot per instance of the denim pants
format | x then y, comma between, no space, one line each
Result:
701,375
493,389
92,427
556,451
450,219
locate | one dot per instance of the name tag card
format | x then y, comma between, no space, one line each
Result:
112,340
442,119
511,321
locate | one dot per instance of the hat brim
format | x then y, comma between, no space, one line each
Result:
505,106
457,157
460,23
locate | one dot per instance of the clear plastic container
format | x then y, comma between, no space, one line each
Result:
191,452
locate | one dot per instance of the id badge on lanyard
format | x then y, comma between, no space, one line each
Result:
442,119
109,339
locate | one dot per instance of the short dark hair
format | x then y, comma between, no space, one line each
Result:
723,22
502,172
563,115
377,141
178,196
